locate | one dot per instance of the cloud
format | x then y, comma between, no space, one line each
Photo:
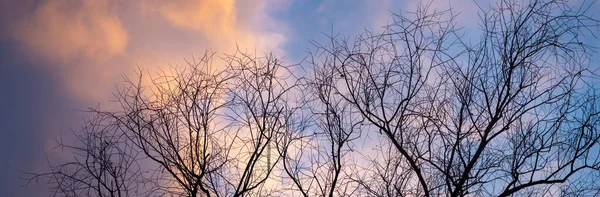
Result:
73,39
211,16
85,47
90,44
61,32
226,24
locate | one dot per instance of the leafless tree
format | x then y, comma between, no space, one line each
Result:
316,167
172,122
211,132
206,131
103,164
416,110
516,113
266,112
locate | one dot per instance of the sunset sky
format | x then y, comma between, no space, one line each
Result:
58,57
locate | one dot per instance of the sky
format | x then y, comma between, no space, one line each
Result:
59,57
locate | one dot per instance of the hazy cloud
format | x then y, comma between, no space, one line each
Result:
90,44
60,31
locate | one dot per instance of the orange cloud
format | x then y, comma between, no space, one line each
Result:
211,16
61,31
90,44
76,39
220,23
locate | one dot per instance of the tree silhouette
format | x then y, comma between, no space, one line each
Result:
416,110
104,164
514,113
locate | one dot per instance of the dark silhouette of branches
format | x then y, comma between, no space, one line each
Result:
264,112
211,133
171,122
207,131
419,109
103,164
512,111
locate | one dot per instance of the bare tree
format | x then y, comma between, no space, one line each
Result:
206,131
103,164
416,110
264,109
317,166
513,114
172,122
211,133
